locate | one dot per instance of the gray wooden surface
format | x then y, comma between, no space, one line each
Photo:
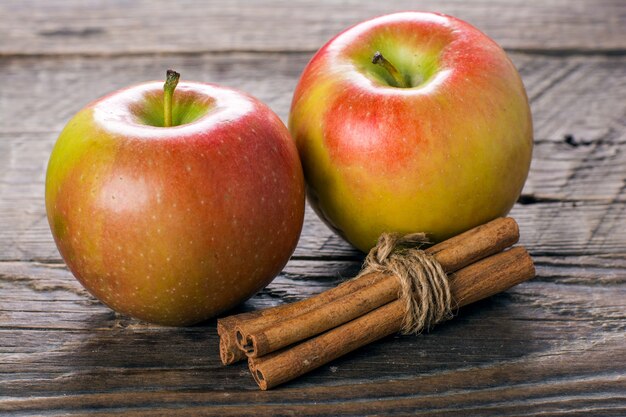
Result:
553,346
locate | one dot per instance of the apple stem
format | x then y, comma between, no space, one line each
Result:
398,78
171,81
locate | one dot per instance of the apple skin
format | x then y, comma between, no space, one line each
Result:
449,153
175,225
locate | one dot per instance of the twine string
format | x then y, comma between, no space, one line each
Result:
424,287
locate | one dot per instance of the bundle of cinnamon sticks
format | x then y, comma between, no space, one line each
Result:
287,341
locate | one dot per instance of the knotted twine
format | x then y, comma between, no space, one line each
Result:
424,286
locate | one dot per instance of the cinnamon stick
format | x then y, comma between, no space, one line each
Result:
258,337
229,352
480,280
256,320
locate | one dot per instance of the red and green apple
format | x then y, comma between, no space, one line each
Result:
411,122
172,206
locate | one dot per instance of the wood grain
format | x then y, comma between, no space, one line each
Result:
121,28
93,358
564,91
554,228
552,347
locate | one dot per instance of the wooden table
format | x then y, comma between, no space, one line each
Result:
553,346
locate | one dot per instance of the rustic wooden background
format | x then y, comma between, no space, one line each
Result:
553,346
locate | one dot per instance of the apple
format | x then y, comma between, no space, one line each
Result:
411,122
173,206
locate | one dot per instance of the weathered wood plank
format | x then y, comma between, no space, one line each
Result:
120,27
577,180
556,228
421,396
593,171
58,88
578,96
565,102
539,342
47,287
588,270
46,296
